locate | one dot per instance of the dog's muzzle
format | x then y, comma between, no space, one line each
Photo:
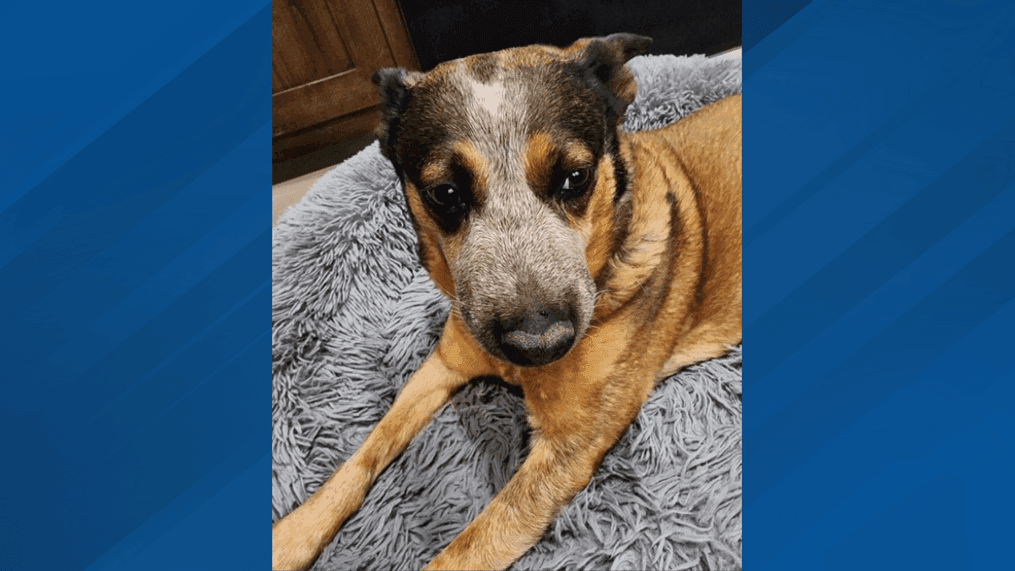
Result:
541,336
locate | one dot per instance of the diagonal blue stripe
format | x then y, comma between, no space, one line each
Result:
162,360
225,407
150,419
778,39
880,254
859,150
136,179
90,67
760,20
194,514
172,452
951,549
888,303
932,94
31,233
126,393
216,231
952,417
902,350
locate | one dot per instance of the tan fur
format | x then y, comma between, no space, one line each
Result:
538,154
436,261
672,297
597,226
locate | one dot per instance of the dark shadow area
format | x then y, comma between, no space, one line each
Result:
442,30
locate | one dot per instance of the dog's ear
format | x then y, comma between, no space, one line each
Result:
605,58
393,85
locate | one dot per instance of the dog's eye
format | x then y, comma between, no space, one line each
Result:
445,198
574,183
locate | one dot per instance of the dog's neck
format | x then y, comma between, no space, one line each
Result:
641,226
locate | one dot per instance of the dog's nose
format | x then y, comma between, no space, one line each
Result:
541,336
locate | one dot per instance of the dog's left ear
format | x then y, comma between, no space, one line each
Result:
605,58
393,85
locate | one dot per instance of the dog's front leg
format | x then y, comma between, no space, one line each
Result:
554,472
298,538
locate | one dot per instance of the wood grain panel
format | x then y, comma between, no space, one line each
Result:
309,89
394,30
323,102
306,44
339,95
357,127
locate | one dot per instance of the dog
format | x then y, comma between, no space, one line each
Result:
583,263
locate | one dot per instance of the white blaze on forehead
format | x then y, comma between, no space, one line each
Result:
489,96
497,121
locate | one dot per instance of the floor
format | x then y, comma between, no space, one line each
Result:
285,194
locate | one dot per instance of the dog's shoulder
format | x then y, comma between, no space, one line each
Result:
719,119
706,143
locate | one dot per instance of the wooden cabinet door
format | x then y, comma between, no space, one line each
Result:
323,52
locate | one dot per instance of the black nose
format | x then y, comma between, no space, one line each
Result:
541,336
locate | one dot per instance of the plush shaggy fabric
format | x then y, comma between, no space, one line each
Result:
354,315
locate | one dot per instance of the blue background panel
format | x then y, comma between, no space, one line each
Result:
879,240
135,284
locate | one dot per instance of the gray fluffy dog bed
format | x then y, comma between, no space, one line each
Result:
354,314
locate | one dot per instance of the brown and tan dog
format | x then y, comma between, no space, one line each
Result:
583,263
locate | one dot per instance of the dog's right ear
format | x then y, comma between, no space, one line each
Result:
605,59
393,84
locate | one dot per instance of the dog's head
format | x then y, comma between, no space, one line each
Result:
514,176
